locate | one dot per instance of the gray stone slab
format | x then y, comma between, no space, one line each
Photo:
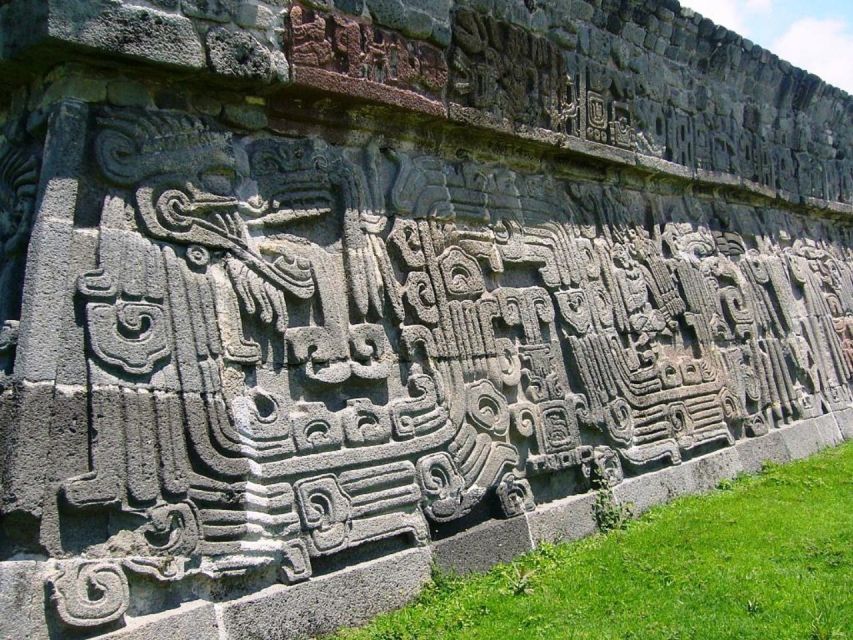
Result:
22,601
807,437
321,605
123,29
568,519
46,293
644,492
483,546
196,620
754,452
844,418
26,448
710,470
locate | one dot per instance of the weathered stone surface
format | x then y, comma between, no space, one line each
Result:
804,440
238,54
124,29
563,520
646,491
754,452
845,423
483,546
197,621
22,600
287,289
336,53
709,471
315,608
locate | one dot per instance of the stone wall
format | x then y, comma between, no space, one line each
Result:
298,300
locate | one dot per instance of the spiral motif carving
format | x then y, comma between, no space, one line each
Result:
90,594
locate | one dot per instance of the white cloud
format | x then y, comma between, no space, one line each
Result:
820,46
732,14
759,5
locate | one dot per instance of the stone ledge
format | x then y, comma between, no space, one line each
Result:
755,452
568,519
616,156
708,471
196,620
483,546
346,598
807,437
647,491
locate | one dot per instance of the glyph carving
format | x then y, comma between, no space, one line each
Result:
295,348
312,291
90,594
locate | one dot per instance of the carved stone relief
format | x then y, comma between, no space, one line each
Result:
295,348
19,169
508,72
336,52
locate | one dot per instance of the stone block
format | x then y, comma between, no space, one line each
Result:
238,54
196,620
212,10
353,7
582,10
644,492
318,607
563,520
754,452
709,470
127,93
807,437
417,24
254,15
481,547
46,292
844,418
245,116
389,13
120,29
22,601
75,86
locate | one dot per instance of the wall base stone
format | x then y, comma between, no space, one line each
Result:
22,600
756,451
483,546
343,599
197,620
810,436
571,518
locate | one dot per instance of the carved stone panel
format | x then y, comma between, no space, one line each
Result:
358,286
295,348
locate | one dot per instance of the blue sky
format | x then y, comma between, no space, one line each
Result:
816,35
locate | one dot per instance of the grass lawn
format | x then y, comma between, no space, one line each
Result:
767,557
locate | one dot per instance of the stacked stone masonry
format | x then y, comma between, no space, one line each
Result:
298,300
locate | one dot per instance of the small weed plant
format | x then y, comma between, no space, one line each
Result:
520,581
609,514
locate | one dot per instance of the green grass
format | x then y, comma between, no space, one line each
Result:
768,557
